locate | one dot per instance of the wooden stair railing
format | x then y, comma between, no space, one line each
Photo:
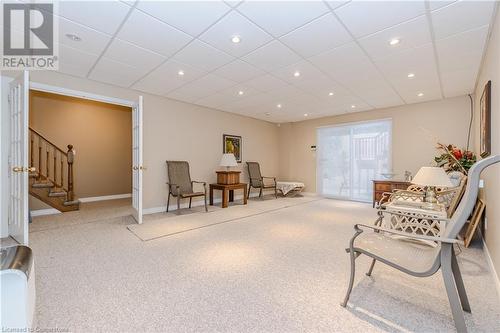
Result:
52,182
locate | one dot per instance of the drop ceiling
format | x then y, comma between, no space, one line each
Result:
311,57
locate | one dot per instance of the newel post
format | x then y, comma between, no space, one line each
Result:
71,157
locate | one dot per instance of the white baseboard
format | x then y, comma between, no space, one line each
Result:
106,197
184,204
41,212
494,272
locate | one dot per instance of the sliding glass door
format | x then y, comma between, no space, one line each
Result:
350,156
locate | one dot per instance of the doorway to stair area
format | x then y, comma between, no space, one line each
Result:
81,151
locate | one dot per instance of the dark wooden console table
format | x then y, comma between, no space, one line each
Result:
228,192
387,185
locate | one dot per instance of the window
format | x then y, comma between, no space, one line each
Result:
350,156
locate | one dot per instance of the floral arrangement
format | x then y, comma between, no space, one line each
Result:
455,159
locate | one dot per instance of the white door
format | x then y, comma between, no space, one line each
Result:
137,167
18,158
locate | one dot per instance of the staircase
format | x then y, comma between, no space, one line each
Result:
52,180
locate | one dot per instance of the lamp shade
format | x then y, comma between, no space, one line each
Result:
228,160
432,176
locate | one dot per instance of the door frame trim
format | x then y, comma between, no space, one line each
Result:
80,94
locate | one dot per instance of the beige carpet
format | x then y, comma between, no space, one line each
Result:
280,271
161,225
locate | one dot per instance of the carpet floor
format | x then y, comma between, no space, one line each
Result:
284,270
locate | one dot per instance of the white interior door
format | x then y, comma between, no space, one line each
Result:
18,158
137,167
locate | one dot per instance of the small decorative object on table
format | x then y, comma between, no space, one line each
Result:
232,144
228,177
431,177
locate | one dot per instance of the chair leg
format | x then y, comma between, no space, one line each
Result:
206,208
260,193
178,204
248,192
460,283
275,192
168,201
370,270
451,288
190,200
351,279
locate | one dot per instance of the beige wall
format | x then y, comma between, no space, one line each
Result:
415,129
180,131
491,71
100,134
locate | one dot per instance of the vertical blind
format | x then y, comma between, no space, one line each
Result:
350,156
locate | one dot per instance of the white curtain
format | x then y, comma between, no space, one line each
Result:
350,156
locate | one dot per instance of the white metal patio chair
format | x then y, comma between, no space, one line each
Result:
419,260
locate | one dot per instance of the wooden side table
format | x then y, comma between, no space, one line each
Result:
228,193
388,185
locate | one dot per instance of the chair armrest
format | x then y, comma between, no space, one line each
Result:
358,227
171,184
197,182
273,178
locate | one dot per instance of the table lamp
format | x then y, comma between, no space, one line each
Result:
430,177
228,161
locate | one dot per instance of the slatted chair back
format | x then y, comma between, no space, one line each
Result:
178,174
254,174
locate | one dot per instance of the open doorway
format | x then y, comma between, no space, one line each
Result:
82,152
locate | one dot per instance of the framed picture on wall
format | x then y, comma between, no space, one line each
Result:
485,121
232,144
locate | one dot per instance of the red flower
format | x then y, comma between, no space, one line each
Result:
457,153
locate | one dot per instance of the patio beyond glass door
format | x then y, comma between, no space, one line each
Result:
350,156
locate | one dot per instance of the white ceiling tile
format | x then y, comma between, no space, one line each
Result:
201,55
272,56
279,18
180,96
104,16
192,17
341,59
304,68
75,62
335,4
366,17
132,55
234,24
238,71
265,83
462,51
91,41
215,100
204,86
166,78
461,16
165,40
116,73
433,5
412,33
327,31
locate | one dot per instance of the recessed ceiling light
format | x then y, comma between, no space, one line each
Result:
278,106
420,94
180,73
240,92
296,74
353,106
394,41
411,75
73,37
236,39
306,114
330,94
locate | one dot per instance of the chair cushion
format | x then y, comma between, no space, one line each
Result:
412,255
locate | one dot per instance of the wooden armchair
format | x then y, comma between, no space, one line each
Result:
418,260
180,184
257,180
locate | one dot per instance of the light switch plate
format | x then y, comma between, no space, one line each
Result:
481,183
